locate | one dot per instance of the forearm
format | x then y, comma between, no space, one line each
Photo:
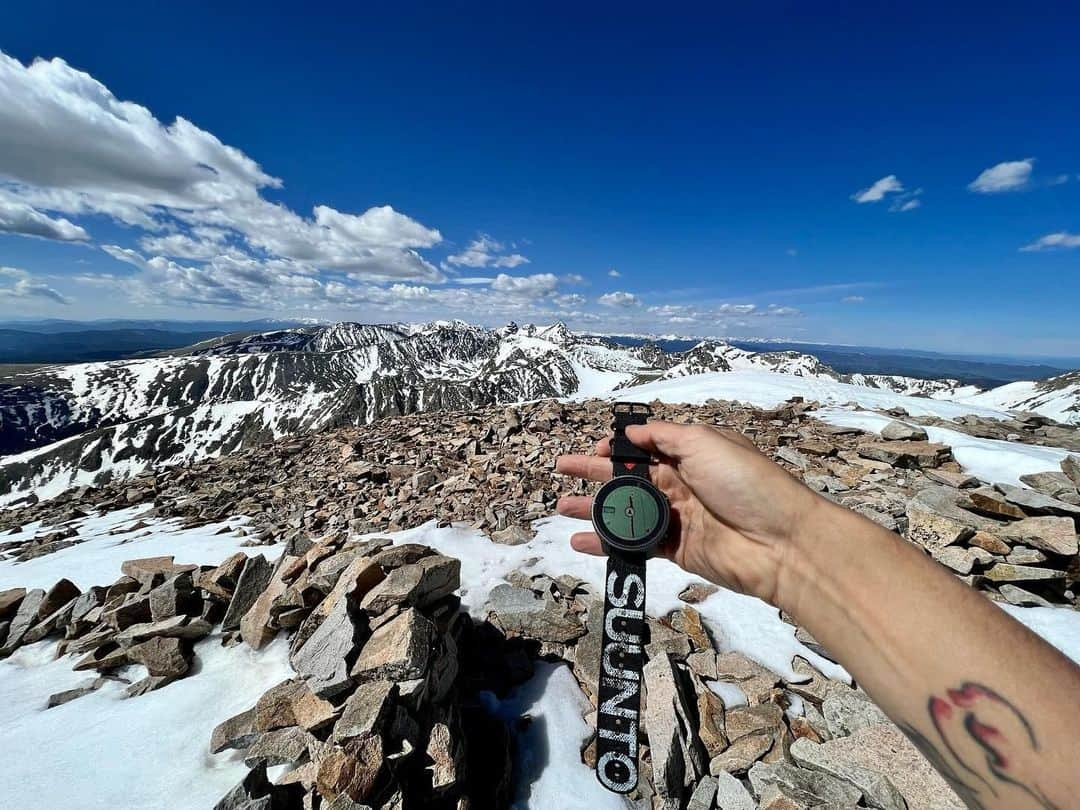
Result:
992,704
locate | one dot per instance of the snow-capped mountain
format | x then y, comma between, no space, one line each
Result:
1057,397
63,426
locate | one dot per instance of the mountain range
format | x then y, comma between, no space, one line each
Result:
80,424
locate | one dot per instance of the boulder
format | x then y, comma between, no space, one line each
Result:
253,579
353,582
25,617
1035,503
990,502
697,592
447,758
400,650
731,794
417,585
1056,535
876,788
351,771
909,455
1018,596
10,601
518,611
902,431
846,711
745,720
175,596
1055,484
812,787
324,658
149,571
704,794
180,627
292,703
1070,465
238,731
935,520
676,759
367,710
956,480
1007,572
742,754
282,746
257,627
256,792
57,597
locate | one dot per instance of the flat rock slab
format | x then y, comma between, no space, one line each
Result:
417,585
1036,503
400,650
323,659
902,431
877,789
812,787
254,577
1056,535
919,455
518,611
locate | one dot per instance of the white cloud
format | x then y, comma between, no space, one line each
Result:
485,252
906,201
1012,175
613,273
25,287
853,299
68,145
619,299
889,184
781,312
1062,240
20,218
533,286
736,309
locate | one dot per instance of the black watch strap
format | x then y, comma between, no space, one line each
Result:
621,660
627,458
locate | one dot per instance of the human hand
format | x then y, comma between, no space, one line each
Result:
735,515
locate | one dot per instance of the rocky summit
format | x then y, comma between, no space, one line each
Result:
385,706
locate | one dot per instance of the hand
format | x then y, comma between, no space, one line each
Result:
735,515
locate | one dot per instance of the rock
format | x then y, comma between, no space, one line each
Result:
741,754
755,680
676,760
731,794
254,577
662,640
901,431
704,794
400,650
447,758
292,703
180,627
519,611
283,746
876,788
688,622
1035,503
10,601
711,722
1018,596
25,617
809,683
417,585
846,711
353,582
1056,535
989,502
745,720
989,542
351,771
366,712
57,597
918,455
812,787
816,447
935,521
175,596
1007,572
1070,465
956,480
256,792
793,457
135,609
961,560
884,748
703,663
68,695
257,627
151,570
512,536
324,658
698,592
1055,484
238,731
161,656
1022,555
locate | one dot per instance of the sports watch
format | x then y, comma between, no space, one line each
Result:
631,517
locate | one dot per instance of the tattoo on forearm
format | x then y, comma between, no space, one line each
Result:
985,742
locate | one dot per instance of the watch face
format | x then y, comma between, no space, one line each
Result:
630,514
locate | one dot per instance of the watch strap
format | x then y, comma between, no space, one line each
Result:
626,457
622,657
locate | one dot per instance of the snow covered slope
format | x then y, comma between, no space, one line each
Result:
1057,397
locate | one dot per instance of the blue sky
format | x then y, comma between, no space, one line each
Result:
713,158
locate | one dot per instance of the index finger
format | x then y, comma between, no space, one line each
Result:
591,468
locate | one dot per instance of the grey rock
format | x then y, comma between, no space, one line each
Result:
175,596
1007,572
323,659
1036,503
908,455
1018,596
399,650
25,617
846,711
256,792
175,627
876,788
961,560
704,794
1022,555
417,585
1070,465
447,758
512,536
68,695
1056,535
812,787
731,794
1053,483
676,760
367,710
519,611
254,577
59,595
901,431
793,457
935,520
952,479
239,731
282,746
10,601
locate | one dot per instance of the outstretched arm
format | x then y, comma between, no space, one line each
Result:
991,705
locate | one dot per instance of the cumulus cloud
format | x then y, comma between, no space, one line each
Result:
20,218
68,145
619,299
23,286
486,252
533,286
1062,240
1011,175
890,184
613,273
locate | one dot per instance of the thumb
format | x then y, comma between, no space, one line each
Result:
662,438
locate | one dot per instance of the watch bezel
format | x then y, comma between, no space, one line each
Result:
649,543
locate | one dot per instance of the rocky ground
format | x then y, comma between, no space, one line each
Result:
384,711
